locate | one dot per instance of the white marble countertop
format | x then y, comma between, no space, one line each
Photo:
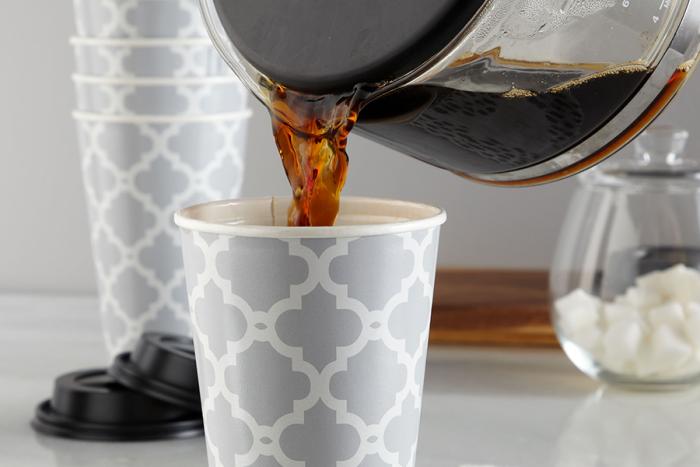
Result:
483,408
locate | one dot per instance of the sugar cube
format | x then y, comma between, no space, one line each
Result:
670,313
622,340
616,312
669,351
692,323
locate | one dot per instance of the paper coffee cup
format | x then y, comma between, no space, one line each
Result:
311,342
136,174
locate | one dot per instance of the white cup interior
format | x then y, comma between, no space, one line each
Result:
267,217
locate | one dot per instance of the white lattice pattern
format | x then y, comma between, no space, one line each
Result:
132,192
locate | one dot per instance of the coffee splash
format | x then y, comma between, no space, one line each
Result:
311,133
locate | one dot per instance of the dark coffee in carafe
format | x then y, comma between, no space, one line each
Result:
325,65
458,125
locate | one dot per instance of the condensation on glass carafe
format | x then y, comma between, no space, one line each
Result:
539,17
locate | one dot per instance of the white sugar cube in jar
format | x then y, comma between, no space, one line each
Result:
625,281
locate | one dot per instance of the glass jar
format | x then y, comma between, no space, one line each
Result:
626,274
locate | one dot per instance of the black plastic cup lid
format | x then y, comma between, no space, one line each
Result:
163,367
91,405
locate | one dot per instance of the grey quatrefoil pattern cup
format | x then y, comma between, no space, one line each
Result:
136,175
311,343
162,123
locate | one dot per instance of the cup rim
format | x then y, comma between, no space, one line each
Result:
140,42
410,217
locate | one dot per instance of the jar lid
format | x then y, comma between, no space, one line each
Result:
163,367
659,157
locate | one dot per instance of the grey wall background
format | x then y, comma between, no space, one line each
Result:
44,245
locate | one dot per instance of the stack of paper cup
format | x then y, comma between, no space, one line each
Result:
162,123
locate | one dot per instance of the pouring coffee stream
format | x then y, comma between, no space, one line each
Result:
503,92
311,133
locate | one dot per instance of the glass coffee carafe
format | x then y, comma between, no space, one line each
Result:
508,92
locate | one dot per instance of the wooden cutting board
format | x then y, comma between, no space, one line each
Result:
492,308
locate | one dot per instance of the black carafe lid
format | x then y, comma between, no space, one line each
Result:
322,46
91,405
161,366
